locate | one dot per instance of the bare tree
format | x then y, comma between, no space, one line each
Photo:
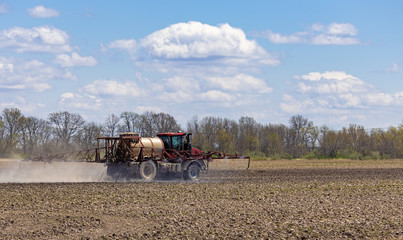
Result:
272,139
248,134
65,126
36,134
2,138
87,138
12,120
163,122
131,122
209,128
329,143
111,125
299,135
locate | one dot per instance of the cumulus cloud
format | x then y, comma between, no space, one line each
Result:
281,38
292,105
195,40
108,96
203,66
74,59
38,39
342,29
240,83
184,84
337,75
80,101
113,88
31,75
217,96
332,82
22,104
322,92
42,12
318,34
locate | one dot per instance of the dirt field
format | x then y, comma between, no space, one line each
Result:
281,199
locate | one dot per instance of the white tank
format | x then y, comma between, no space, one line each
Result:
152,146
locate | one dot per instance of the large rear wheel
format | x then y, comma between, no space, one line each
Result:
148,170
192,173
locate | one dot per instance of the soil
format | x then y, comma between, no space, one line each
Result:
267,203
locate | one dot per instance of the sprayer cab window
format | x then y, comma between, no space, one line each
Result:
173,142
166,141
177,142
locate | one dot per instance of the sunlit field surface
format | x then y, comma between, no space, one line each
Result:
277,199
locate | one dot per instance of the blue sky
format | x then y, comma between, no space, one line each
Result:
334,62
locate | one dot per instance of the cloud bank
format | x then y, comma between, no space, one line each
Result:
42,12
335,90
43,39
318,34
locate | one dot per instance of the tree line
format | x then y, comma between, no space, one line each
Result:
64,131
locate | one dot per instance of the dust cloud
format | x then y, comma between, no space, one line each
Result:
229,164
19,171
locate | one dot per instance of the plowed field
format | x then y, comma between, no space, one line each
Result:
272,200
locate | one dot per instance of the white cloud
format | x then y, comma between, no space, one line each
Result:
107,96
280,38
74,59
318,34
332,82
240,83
3,7
194,40
6,67
142,109
217,96
291,105
329,75
80,101
113,88
342,29
204,66
332,90
129,45
22,104
394,68
179,83
31,75
327,39
178,96
42,12
37,39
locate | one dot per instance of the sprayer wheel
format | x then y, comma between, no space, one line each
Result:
148,170
192,173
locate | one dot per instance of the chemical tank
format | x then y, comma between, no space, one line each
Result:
131,144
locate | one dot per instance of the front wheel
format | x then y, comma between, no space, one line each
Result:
148,170
192,173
